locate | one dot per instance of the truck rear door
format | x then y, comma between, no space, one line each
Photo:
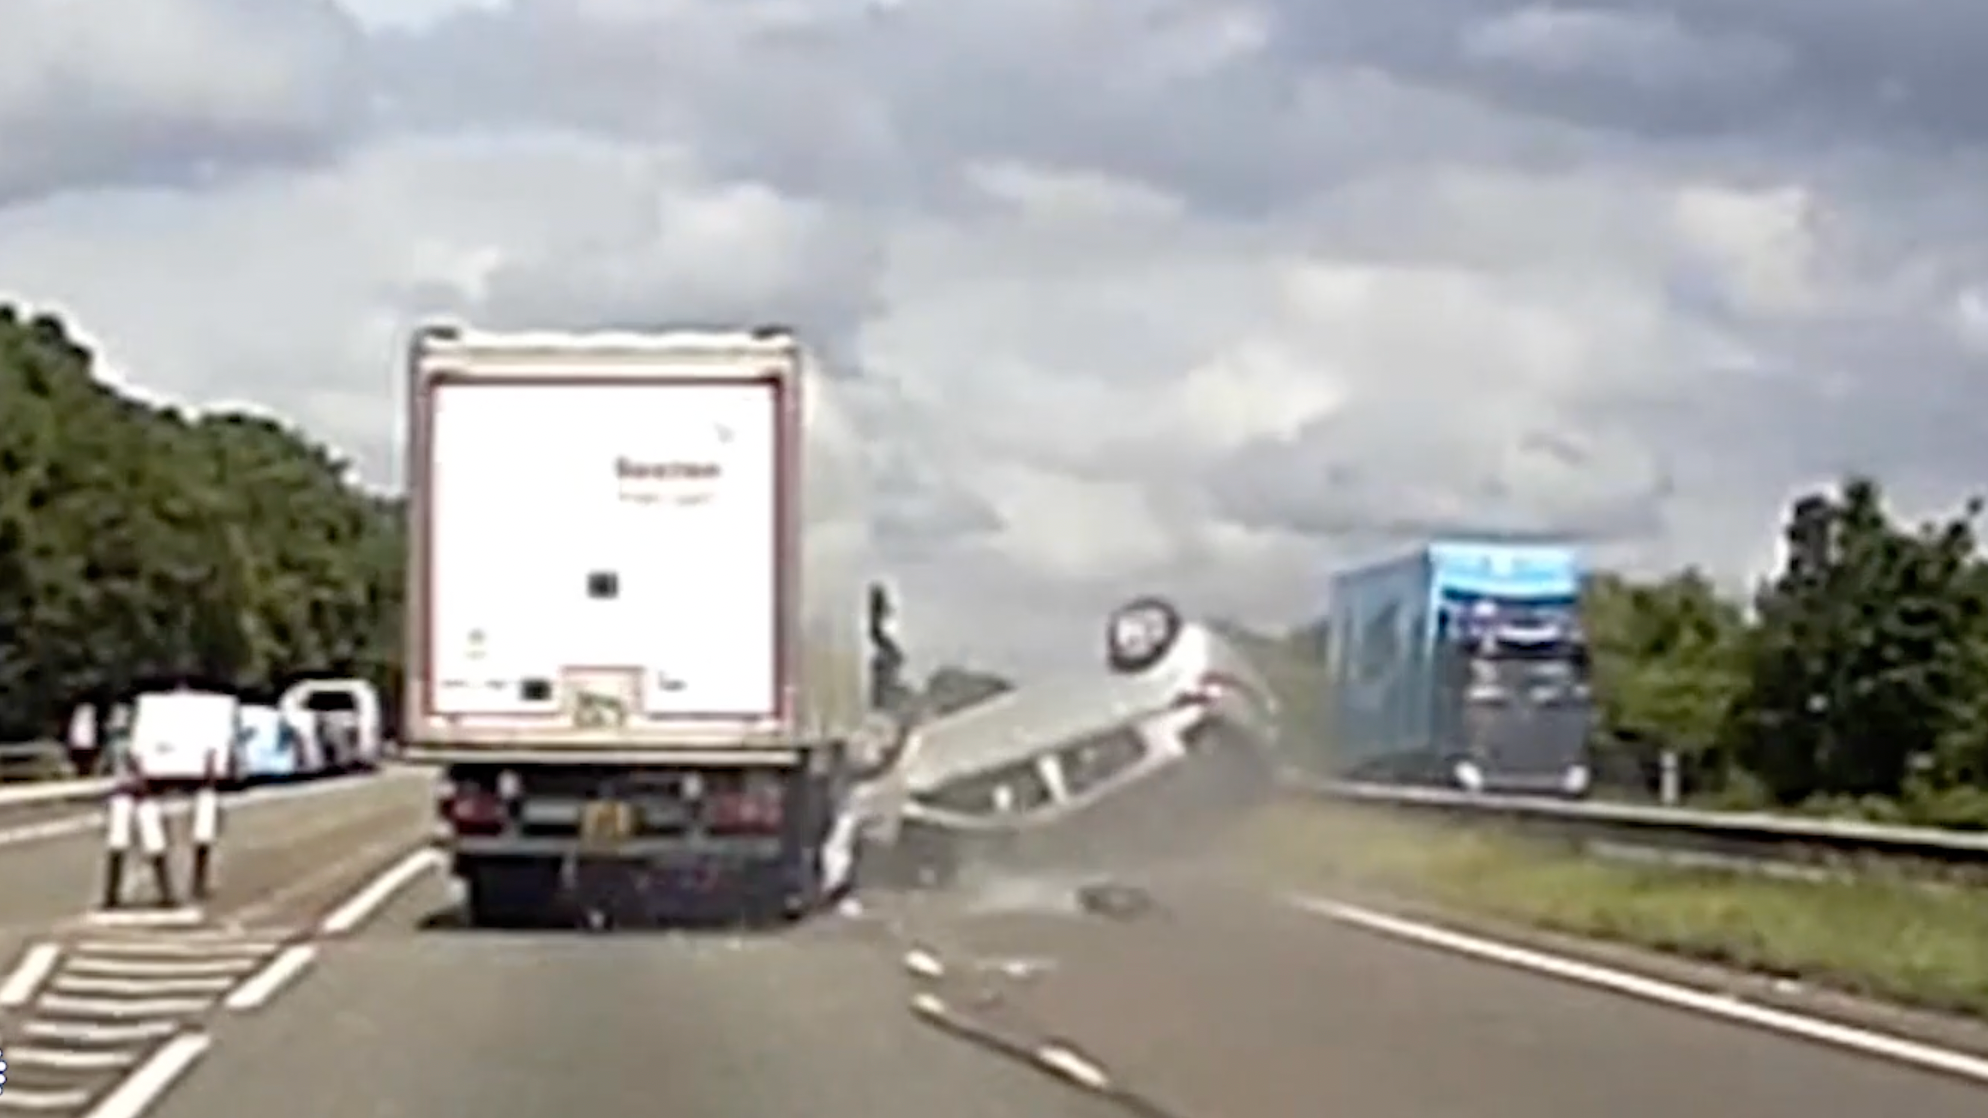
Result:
606,552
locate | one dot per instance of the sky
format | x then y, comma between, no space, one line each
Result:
1119,296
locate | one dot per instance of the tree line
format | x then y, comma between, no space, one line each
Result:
144,544
1854,680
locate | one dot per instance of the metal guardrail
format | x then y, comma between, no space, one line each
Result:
39,772
1755,836
32,760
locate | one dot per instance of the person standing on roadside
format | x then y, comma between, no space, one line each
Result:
83,738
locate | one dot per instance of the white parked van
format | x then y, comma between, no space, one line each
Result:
186,737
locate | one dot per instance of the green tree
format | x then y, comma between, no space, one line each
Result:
1667,658
138,542
1867,654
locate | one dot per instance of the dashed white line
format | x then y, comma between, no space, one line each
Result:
183,917
266,983
118,1008
1720,1005
36,964
76,1059
182,947
923,963
1065,1062
152,968
97,1032
73,983
68,1098
54,828
361,906
143,1087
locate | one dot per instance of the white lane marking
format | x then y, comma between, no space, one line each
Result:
117,1008
923,963
1068,1064
68,1098
143,1087
74,1059
54,791
929,1005
145,918
98,1032
181,947
53,828
69,982
1724,1006
159,968
36,964
374,895
270,980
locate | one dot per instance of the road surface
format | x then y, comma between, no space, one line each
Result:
1220,1003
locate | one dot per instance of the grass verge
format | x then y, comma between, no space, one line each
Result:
1909,941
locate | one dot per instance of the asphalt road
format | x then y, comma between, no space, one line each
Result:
1218,1003
283,838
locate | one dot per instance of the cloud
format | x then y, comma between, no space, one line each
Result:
186,92
1116,295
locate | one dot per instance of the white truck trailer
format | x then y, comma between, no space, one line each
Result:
635,636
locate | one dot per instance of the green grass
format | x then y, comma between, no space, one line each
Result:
1910,941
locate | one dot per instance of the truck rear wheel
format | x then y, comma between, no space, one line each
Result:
509,894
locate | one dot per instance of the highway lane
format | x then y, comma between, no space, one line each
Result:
271,863
17,818
409,1019
1224,1002
87,997
1220,1002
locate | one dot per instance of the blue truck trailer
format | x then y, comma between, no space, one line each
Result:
1462,663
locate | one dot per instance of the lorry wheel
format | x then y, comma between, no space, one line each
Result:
509,894
795,908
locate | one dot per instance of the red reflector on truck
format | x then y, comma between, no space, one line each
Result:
757,811
475,811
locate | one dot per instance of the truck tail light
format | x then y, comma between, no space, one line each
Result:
473,810
757,807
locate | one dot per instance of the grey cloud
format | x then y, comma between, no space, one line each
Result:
1450,227
1305,484
885,113
919,512
1798,73
173,93
746,256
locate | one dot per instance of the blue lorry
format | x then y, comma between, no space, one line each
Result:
1463,663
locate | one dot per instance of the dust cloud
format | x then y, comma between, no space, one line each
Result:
1175,824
